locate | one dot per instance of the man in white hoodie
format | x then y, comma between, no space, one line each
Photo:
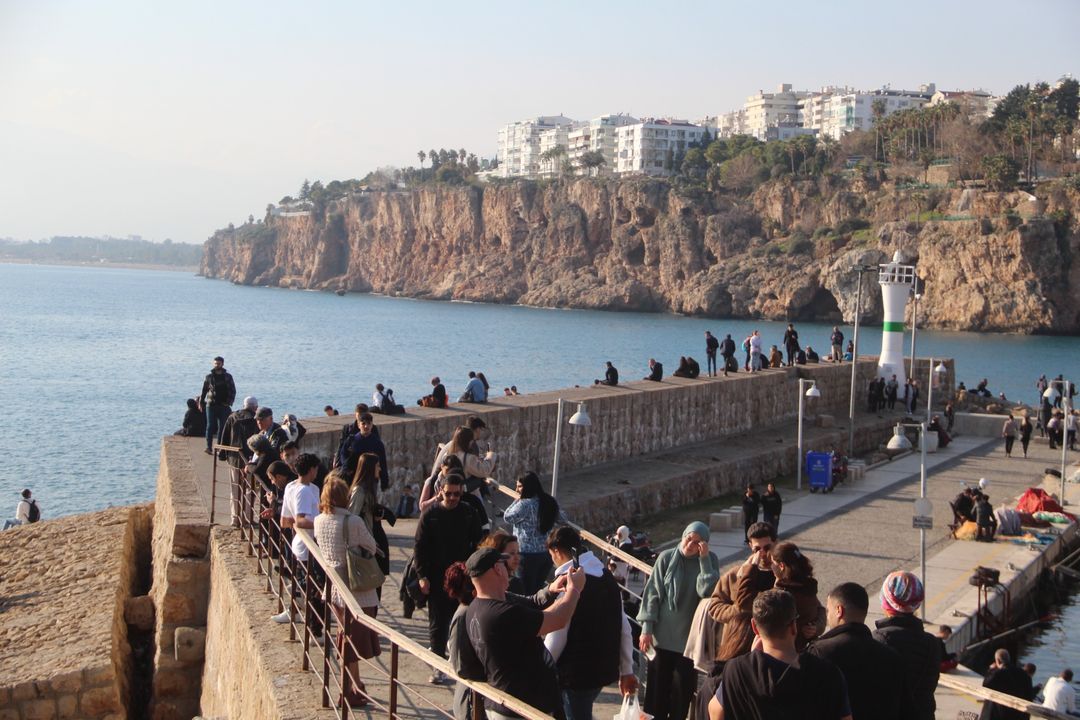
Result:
596,648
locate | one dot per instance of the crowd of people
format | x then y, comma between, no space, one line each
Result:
530,609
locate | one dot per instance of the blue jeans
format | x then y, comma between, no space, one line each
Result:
533,571
578,703
216,415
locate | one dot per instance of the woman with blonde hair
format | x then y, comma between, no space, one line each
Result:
336,529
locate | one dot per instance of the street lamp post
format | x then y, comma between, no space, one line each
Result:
813,392
923,507
578,418
936,373
1065,400
855,357
914,325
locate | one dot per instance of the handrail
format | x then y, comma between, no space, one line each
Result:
969,687
626,557
409,645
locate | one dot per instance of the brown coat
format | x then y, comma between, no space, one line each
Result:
732,604
811,612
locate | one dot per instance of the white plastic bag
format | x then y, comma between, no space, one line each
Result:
631,710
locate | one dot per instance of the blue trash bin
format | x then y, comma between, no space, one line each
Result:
819,471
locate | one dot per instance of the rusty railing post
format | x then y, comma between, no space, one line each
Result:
393,679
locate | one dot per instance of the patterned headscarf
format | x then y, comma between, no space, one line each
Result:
902,592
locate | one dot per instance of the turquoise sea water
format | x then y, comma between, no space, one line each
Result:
97,362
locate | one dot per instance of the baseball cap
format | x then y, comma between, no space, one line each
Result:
483,560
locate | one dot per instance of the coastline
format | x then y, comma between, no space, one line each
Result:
114,265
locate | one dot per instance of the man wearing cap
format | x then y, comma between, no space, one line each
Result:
681,577
238,428
447,533
216,399
507,633
901,596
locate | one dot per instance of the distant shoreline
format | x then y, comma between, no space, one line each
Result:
87,263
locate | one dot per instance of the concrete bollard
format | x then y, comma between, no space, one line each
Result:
719,522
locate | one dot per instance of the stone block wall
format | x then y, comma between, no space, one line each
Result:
181,582
636,418
63,637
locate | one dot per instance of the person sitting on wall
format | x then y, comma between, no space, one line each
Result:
943,436
811,356
800,357
611,376
849,354
985,519
194,423
776,358
692,365
688,368
656,371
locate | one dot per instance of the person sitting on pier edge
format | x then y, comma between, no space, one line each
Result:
681,577
437,398
870,669
330,411
777,681
611,376
194,422
475,392
948,659
711,346
901,596
985,519
1059,693
685,370
776,358
963,506
656,371
943,436
1005,677
849,353
811,355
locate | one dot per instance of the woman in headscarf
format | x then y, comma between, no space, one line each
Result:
901,597
795,574
681,577
532,516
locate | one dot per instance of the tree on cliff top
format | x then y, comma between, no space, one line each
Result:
591,160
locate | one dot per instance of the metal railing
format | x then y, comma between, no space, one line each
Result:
298,591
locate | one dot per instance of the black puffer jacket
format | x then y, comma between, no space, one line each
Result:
218,389
921,653
874,672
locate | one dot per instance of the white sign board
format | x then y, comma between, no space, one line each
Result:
923,515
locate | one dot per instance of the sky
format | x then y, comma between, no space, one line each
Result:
170,120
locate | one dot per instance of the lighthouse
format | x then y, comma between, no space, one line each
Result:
896,282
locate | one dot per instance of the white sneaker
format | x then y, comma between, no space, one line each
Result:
437,678
283,617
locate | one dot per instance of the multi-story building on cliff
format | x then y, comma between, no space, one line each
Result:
777,109
973,103
597,135
842,112
519,145
653,146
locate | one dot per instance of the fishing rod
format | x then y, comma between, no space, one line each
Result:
1025,626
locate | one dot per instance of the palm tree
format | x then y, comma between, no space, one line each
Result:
877,108
422,155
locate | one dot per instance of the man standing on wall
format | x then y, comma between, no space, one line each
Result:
711,346
837,342
216,399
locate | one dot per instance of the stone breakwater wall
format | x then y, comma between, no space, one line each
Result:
181,585
249,673
64,587
637,418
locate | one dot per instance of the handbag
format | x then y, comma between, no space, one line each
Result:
363,570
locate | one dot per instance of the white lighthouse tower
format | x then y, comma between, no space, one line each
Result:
896,283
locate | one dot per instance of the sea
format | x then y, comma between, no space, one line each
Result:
96,363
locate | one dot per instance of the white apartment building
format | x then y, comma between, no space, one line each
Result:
653,146
596,135
732,123
519,145
764,110
549,140
853,110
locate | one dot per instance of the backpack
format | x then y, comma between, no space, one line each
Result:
35,512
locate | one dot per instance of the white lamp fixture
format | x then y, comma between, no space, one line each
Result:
812,392
899,440
581,417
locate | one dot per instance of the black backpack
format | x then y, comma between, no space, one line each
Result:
35,512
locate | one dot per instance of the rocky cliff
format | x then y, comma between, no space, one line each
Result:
992,261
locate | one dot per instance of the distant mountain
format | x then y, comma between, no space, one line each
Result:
109,250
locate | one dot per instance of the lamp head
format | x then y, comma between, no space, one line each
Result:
899,440
941,369
581,417
813,392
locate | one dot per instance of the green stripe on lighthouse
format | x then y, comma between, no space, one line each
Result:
892,327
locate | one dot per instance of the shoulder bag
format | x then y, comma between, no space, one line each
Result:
363,570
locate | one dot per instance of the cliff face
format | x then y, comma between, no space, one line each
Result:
641,245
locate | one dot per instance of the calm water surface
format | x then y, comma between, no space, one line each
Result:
96,362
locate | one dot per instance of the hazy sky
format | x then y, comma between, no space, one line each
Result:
169,120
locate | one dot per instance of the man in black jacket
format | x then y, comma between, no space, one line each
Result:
447,533
1004,676
727,350
771,505
216,399
901,596
239,426
873,671
656,371
611,376
751,503
711,346
366,440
